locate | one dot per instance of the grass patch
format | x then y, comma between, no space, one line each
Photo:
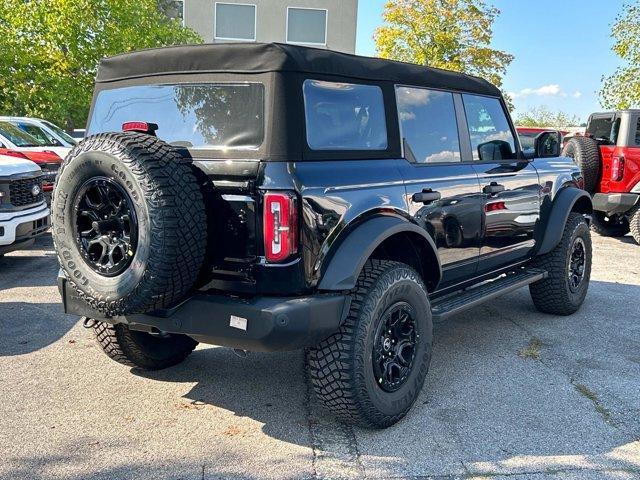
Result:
590,395
532,350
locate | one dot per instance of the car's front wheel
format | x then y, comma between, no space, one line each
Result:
372,370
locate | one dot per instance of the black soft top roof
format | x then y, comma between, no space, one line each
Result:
276,57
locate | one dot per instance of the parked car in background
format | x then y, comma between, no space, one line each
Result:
609,156
528,136
24,215
49,134
49,163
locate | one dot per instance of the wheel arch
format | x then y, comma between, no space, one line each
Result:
385,238
569,199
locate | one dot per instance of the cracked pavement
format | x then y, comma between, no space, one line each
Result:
512,394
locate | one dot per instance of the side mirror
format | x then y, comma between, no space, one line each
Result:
548,144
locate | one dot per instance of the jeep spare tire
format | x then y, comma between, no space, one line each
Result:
586,154
128,223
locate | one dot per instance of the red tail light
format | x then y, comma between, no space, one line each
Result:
13,153
140,127
280,223
495,206
617,168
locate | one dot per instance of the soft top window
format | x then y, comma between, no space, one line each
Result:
209,116
344,116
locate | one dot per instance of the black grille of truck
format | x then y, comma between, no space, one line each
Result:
21,191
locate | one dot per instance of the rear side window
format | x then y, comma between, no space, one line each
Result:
491,136
208,116
429,127
637,132
603,128
344,116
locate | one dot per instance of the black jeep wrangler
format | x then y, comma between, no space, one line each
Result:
274,197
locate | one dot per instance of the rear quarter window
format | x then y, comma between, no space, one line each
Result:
344,116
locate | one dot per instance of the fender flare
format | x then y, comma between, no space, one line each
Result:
564,203
349,259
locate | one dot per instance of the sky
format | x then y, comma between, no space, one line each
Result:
562,49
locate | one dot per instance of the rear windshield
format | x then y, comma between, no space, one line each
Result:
209,116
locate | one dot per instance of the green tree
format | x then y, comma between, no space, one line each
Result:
544,117
449,34
50,50
622,89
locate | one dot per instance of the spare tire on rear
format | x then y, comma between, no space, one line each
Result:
585,152
128,223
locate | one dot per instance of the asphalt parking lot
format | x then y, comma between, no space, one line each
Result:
512,393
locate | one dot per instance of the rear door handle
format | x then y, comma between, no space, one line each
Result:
426,196
493,188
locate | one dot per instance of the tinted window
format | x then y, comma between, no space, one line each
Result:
200,116
429,128
235,22
637,132
527,141
602,128
306,25
344,116
491,137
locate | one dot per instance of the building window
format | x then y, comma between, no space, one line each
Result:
174,9
235,21
307,25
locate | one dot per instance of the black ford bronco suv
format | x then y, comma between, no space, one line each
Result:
274,197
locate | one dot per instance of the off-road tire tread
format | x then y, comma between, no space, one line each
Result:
551,295
174,200
118,344
332,363
587,157
634,223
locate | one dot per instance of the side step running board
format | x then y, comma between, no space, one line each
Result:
457,302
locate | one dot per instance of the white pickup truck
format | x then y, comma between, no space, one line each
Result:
24,214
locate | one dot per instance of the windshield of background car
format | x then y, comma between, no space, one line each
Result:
206,116
39,133
61,133
18,137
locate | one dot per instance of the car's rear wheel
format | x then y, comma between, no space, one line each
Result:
609,226
141,349
128,223
585,152
371,371
569,270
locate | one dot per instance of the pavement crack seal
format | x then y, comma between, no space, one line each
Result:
334,444
592,397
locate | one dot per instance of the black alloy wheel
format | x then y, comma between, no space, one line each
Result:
106,226
577,263
394,347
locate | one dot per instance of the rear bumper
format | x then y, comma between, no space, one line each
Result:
258,324
615,203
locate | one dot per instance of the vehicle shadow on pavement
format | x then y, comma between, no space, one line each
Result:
17,268
268,388
28,327
506,381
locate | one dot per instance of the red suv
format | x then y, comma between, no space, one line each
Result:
609,157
